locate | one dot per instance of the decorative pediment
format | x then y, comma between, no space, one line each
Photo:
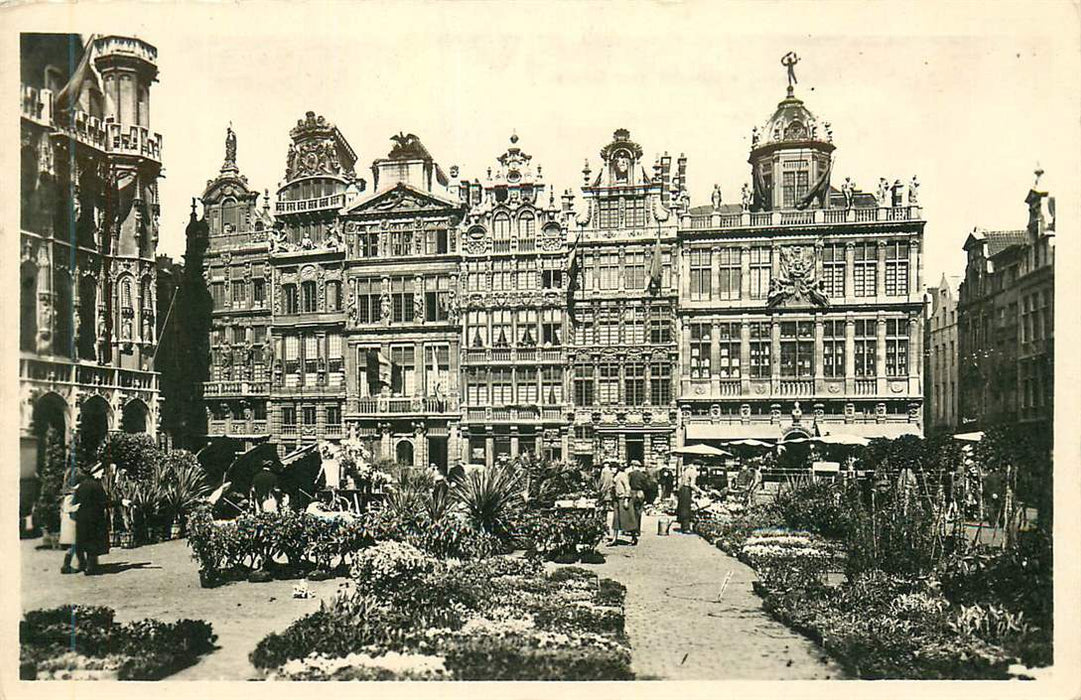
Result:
797,284
402,198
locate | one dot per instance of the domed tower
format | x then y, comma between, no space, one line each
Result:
791,154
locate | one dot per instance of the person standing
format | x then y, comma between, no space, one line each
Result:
623,519
606,494
687,488
68,527
639,483
91,520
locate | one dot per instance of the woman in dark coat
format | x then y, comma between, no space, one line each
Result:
91,520
639,482
687,489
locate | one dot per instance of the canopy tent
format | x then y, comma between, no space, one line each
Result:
301,474
969,437
702,451
842,439
217,455
749,442
247,464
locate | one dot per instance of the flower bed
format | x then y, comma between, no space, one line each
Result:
412,616
77,642
562,535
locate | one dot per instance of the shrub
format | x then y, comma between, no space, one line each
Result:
390,566
490,498
499,658
134,454
555,533
815,506
51,482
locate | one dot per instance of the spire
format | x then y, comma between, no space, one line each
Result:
229,166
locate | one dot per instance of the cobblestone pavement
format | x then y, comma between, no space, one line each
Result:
161,581
678,628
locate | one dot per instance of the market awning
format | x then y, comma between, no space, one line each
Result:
701,451
969,437
873,430
732,431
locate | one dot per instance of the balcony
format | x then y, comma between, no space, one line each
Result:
235,427
64,372
811,217
242,388
795,387
332,201
512,414
405,406
552,355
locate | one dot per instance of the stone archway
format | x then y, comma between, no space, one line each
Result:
133,417
94,419
404,453
48,426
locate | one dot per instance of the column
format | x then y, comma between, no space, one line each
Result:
880,274
880,352
818,351
715,282
489,446
745,355
915,356
850,354
774,259
745,272
775,349
514,441
684,348
914,273
684,274
714,357
850,277
565,442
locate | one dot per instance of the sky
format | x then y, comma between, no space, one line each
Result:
969,98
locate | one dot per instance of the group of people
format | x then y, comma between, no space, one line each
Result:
625,489
84,520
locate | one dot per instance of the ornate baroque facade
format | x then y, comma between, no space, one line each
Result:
437,319
89,231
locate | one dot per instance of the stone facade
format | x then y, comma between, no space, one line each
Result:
441,319
1005,322
940,371
88,238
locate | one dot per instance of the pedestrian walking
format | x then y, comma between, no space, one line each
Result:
623,516
606,494
687,489
639,483
68,526
91,520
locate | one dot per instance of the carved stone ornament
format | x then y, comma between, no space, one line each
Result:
796,282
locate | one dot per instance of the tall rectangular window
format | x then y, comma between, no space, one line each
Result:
865,269
552,279
368,382
729,273
607,324
634,271
583,385
240,292
608,384
501,328
334,415
634,325
608,213
634,383
865,348
761,347
368,244
334,352
403,370
797,349
896,347
502,387
701,274
527,387
552,327
438,242
476,329
368,306
477,386
660,325
290,299
794,182
728,337
897,268
308,297
401,298
289,415
552,385
634,212
308,413
217,294
609,271
760,272
833,348
436,299
660,383
437,369
292,354
258,291
833,270
701,344
526,327
311,354
334,295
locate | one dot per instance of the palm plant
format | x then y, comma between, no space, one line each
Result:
490,496
409,490
183,484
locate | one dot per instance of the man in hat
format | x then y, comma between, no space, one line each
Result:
265,488
639,483
91,520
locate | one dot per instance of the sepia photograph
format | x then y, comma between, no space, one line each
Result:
542,342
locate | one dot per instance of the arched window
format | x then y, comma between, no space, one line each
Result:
501,227
127,310
526,225
230,214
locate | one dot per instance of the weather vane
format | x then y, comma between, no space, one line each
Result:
789,61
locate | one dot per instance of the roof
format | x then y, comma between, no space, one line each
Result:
997,241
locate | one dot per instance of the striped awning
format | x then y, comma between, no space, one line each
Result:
771,431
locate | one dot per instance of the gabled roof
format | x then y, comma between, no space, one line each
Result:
997,241
400,198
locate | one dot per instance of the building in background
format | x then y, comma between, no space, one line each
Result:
513,315
940,353
801,306
90,162
1005,323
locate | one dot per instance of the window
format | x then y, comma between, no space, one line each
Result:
334,295
833,270
552,385
502,386
477,386
865,348
308,297
311,354
660,326
634,271
526,327
608,384
729,273
660,383
865,270
477,329
833,348
334,415
259,410
308,414
551,327
238,334
797,349
402,375
527,277
634,383
290,301
634,212
501,328
401,241
761,350
258,335
634,325
217,293
368,306
552,279
608,213
368,244
436,299
728,336
289,415
896,347
608,269
526,379
438,242
401,298
240,292
583,385
607,324
292,354
527,226
437,369
502,274
897,268
760,272
258,291
334,352
368,383
701,347
701,274
500,227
